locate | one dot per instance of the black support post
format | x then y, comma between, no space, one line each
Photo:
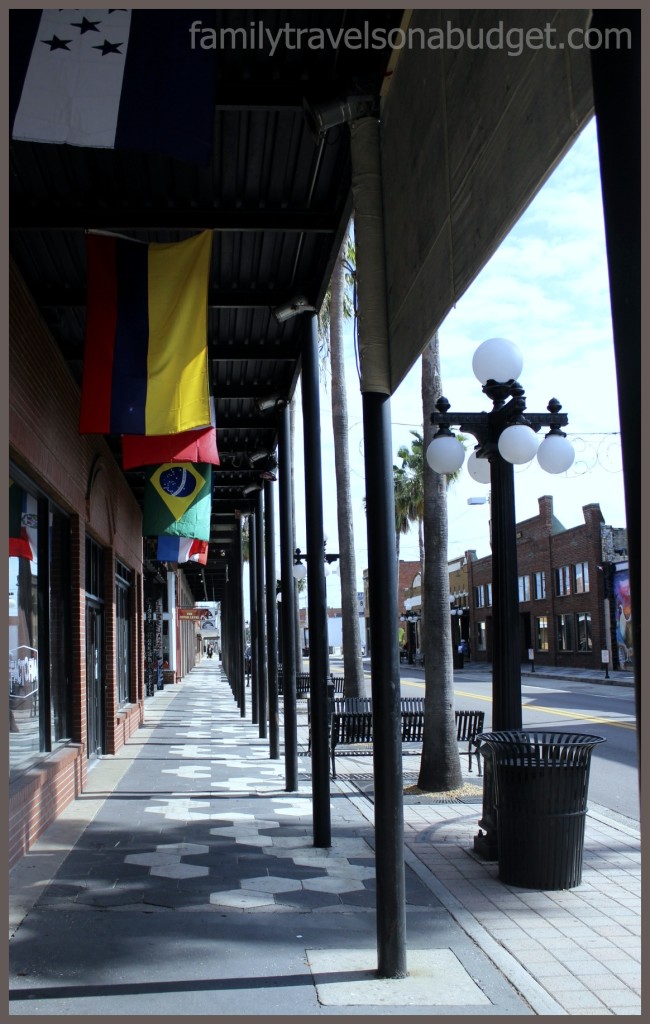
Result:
271,621
506,663
316,592
261,612
616,75
288,605
386,707
252,576
236,619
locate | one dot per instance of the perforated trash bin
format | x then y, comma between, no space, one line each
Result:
540,793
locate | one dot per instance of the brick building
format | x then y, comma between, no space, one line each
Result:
565,592
80,595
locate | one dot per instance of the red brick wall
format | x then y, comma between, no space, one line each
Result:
39,795
80,474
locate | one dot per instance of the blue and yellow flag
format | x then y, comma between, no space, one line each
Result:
178,500
146,348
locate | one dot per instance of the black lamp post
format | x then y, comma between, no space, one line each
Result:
506,436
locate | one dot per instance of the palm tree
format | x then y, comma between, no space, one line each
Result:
411,476
440,764
336,308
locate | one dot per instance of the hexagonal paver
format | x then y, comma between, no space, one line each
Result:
179,870
246,829
273,883
255,840
170,853
189,771
324,858
333,883
244,899
233,816
359,871
184,849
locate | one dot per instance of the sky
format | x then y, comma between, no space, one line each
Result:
545,289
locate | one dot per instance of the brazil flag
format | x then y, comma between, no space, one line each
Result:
178,500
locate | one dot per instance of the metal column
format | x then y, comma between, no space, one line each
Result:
252,577
238,618
386,692
261,631
382,570
316,592
288,605
271,621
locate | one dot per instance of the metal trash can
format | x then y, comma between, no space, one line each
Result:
540,794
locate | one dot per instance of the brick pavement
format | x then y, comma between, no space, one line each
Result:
191,818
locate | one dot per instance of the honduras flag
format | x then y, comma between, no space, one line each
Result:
113,79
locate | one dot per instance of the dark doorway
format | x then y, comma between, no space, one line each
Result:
94,680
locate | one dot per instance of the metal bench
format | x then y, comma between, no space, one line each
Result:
469,724
352,723
350,727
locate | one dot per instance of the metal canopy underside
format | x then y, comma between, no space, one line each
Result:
468,137
278,202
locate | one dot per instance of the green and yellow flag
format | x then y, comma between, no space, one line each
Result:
178,500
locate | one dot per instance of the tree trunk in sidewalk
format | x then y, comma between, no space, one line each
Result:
440,769
352,660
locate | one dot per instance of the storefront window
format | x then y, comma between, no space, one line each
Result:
123,631
39,684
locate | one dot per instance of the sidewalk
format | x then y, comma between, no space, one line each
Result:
576,675
185,881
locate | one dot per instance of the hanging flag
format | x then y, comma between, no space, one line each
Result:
146,355
182,549
190,446
178,500
113,79
22,523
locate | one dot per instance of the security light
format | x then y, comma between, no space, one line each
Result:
322,116
297,304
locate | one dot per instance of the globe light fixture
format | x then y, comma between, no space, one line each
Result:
478,469
497,359
518,444
556,454
445,453
299,571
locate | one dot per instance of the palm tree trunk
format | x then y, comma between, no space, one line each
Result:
352,661
440,765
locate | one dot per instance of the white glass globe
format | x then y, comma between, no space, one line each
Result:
497,359
299,571
518,444
478,469
445,454
556,453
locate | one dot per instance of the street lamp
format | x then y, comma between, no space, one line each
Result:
506,436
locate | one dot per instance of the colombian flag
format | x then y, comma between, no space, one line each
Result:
146,354
190,446
178,500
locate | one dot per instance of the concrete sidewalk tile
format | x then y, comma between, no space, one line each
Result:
622,1001
576,1000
